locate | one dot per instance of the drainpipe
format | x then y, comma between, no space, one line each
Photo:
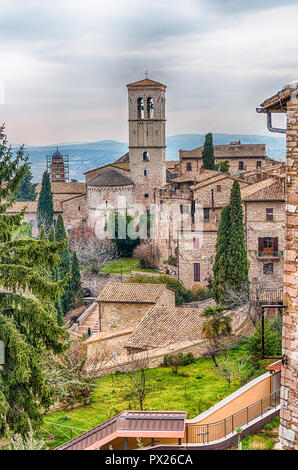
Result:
269,121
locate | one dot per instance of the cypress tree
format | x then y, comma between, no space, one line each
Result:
220,264
42,233
51,235
208,153
237,262
64,265
26,190
28,325
45,210
75,283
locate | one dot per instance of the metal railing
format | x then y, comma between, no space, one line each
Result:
205,433
54,430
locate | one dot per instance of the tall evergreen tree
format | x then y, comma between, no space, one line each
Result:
75,283
26,191
45,209
64,266
220,263
237,262
231,264
208,153
28,323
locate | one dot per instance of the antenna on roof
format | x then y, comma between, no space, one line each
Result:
146,73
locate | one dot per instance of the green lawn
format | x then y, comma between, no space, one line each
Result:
127,264
265,439
195,391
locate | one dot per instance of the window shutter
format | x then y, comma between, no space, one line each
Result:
261,244
196,271
275,244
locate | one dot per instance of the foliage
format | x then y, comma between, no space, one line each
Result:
148,254
121,231
29,442
223,167
208,152
272,341
174,361
231,370
168,394
231,264
64,266
22,232
66,376
215,329
27,315
45,209
90,250
75,282
26,190
125,266
172,260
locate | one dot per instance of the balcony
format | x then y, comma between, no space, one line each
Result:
270,254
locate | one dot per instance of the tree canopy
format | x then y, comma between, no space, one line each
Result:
45,208
208,153
28,325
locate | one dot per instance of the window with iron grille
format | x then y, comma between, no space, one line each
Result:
268,268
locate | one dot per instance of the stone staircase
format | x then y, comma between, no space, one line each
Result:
88,319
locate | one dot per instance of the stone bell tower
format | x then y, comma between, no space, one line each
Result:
147,136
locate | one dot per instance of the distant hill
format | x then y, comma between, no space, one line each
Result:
85,156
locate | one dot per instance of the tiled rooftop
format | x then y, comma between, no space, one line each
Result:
162,326
131,293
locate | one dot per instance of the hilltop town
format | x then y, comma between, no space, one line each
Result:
168,270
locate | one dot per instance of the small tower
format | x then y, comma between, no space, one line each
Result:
58,167
147,136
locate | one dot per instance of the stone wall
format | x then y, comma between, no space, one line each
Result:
289,380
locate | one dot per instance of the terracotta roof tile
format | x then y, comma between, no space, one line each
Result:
162,326
131,293
65,188
146,82
110,177
267,189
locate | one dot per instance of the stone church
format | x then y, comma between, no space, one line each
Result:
136,177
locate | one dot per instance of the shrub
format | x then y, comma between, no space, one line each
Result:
172,260
177,360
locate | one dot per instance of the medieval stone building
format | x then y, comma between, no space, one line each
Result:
285,101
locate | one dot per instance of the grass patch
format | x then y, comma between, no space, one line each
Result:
127,264
265,439
196,388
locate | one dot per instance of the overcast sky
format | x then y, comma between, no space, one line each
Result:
65,64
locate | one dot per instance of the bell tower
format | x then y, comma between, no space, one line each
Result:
147,136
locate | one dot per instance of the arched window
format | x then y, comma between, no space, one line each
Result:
150,108
140,108
145,156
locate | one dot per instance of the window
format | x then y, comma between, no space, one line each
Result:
196,244
206,215
145,172
268,246
150,108
145,156
68,226
79,208
218,188
58,175
140,108
196,271
161,205
188,166
268,268
269,214
259,164
241,166
146,195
